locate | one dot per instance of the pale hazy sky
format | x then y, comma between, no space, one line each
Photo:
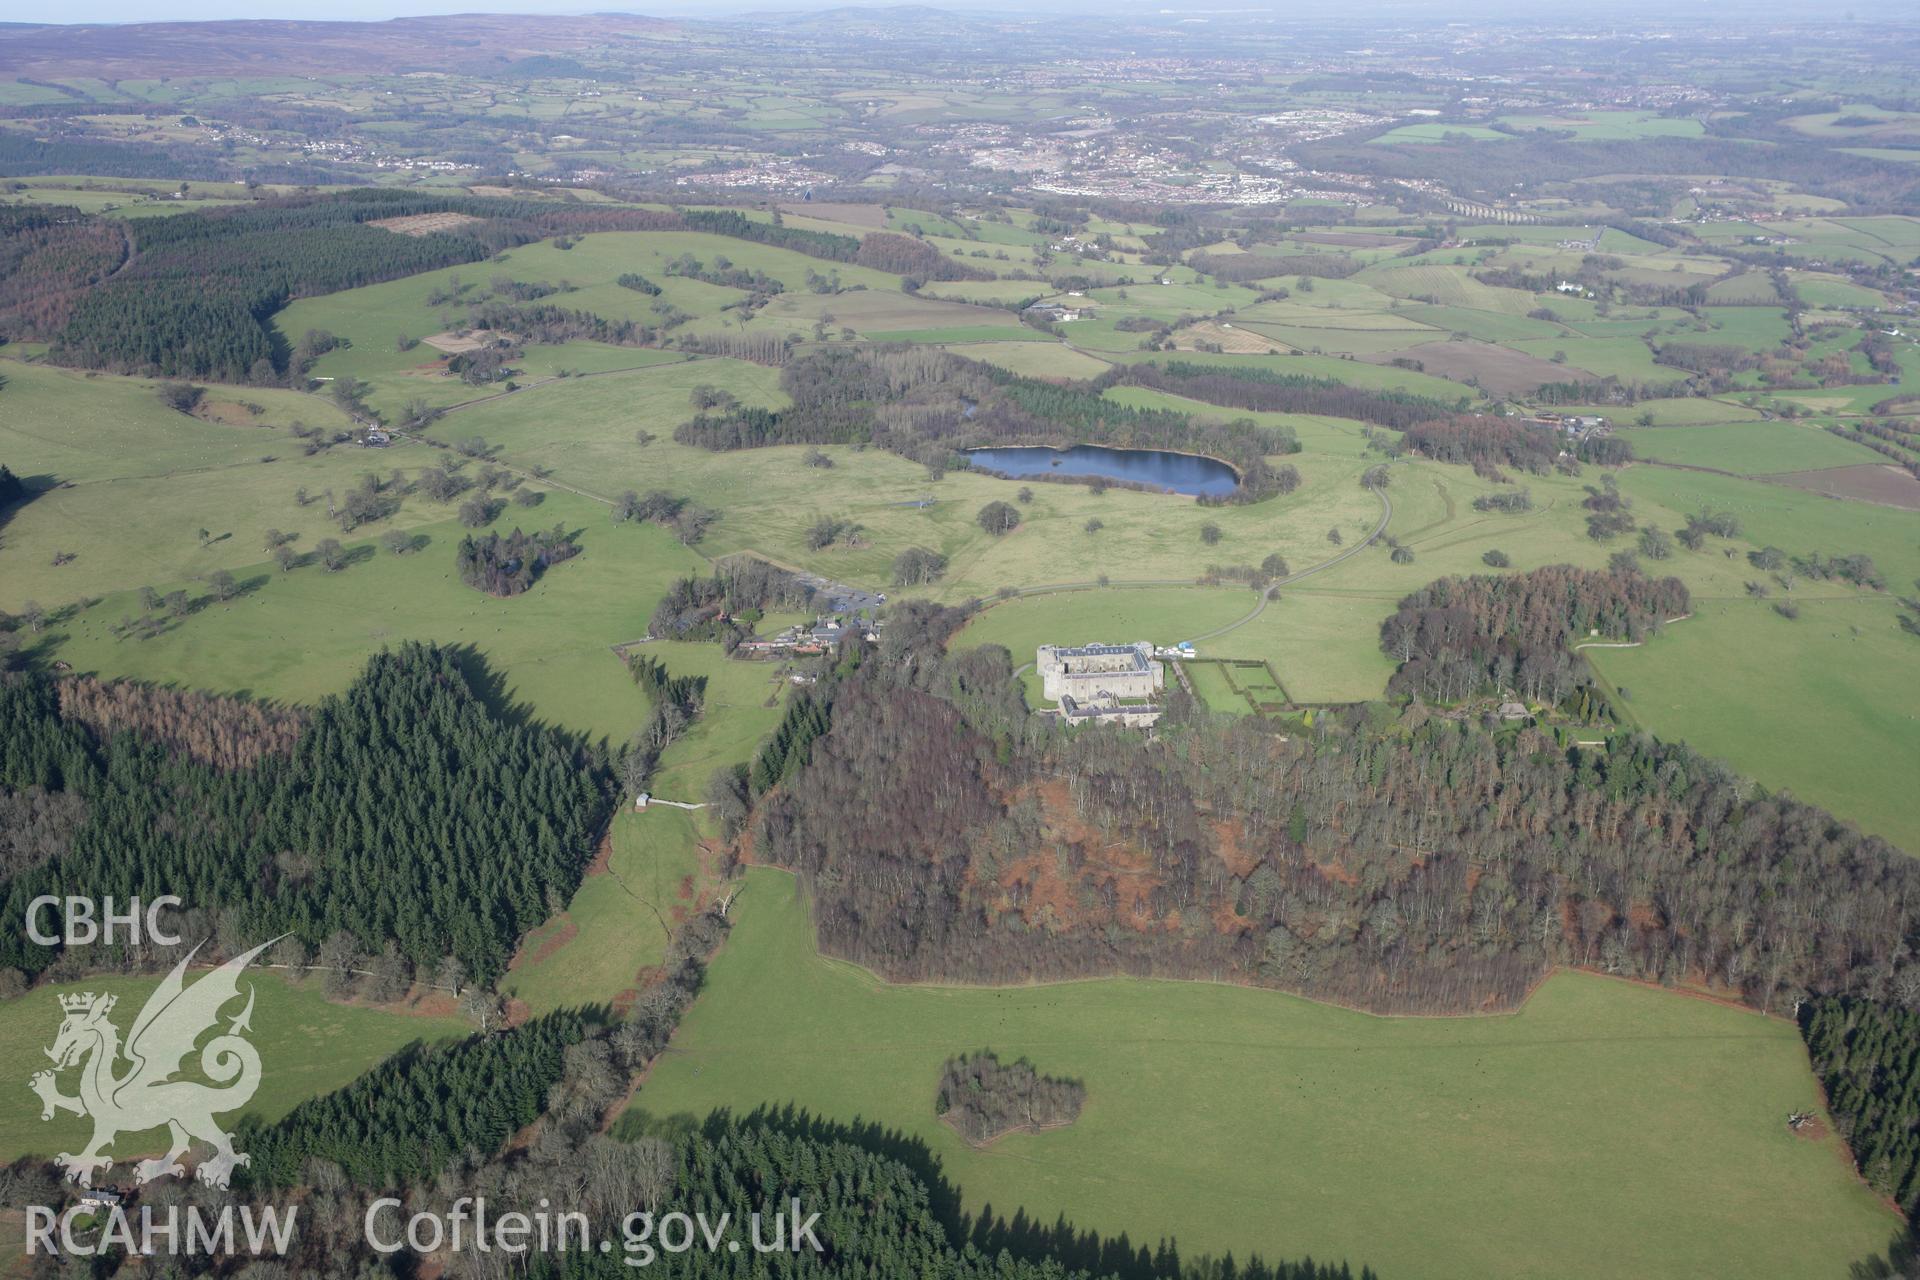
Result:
91,11
88,11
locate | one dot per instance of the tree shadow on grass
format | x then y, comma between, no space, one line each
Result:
16,492
489,684
1023,1237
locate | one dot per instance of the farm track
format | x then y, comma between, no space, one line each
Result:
547,382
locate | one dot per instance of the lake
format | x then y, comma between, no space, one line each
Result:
1155,468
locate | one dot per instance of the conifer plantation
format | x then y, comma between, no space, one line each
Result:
407,1119
1867,1055
407,811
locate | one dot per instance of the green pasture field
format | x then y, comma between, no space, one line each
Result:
1814,705
1748,289
1252,1121
1349,302
1019,260
1016,291
1033,359
1323,641
1627,358
1795,520
375,317
136,481
1611,126
741,707
308,1046
1902,155
115,202
1747,448
1362,316
15,93
1101,335
1317,434
871,310
1488,326
301,635
618,923
1322,633
1448,286
1830,291
1826,125
1352,372
1757,328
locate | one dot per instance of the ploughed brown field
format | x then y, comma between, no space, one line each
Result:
424,224
1503,372
1868,482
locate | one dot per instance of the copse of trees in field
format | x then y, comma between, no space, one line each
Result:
725,605
687,518
508,566
408,816
929,405
1395,860
1494,632
918,567
983,1098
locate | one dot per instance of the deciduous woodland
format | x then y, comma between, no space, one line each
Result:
1395,860
350,833
1493,633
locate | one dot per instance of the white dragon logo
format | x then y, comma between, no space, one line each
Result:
146,1096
